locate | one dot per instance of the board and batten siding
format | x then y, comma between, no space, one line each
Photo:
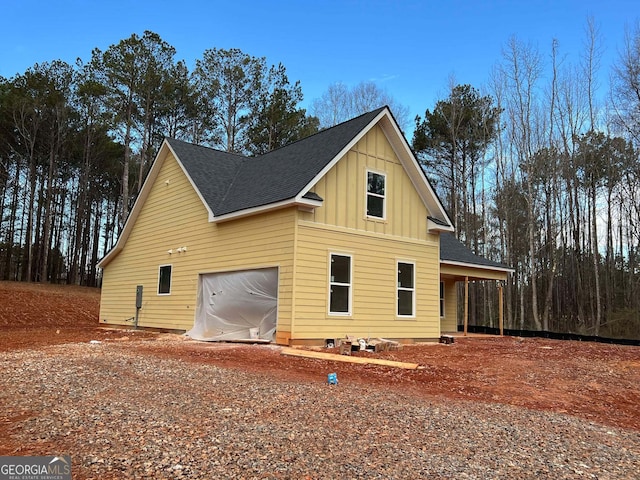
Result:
173,216
341,226
343,189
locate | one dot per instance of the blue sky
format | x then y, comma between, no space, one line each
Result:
410,48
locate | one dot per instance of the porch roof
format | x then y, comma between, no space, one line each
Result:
458,261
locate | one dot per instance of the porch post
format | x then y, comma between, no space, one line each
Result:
500,310
466,304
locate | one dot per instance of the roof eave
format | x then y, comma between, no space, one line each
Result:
305,204
478,266
163,152
342,152
111,254
422,185
433,227
193,184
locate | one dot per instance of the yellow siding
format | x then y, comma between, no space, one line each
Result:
343,189
374,277
449,323
298,243
341,225
173,216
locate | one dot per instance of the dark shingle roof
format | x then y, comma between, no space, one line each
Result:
212,171
453,250
230,183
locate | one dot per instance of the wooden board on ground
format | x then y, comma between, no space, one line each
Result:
248,340
295,352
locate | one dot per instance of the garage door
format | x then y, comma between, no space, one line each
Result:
237,305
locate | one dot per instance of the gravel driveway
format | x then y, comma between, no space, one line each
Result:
120,413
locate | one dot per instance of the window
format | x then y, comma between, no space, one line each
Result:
442,299
406,289
376,195
340,285
164,280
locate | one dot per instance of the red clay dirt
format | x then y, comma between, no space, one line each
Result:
596,382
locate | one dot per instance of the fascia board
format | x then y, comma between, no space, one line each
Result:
266,208
405,155
412,167
477,266
193,185
342,153
434,227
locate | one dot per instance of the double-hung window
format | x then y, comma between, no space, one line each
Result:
406,289
376,186
164,280
340,284
442,299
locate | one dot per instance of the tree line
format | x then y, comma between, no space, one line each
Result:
541,173
536,169
76,141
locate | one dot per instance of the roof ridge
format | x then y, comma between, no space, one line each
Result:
377,110
226,152
246,157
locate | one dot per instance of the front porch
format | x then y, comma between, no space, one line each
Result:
459,264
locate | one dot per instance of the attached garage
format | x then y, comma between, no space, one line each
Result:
331,235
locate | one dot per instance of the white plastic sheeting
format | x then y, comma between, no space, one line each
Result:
237,305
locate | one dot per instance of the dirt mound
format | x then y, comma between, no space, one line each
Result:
38,304
36,314
594,381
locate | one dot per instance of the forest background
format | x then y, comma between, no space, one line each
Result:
535,170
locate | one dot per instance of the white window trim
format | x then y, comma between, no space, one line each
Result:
170,280
350,285
442,305
405,289
366,194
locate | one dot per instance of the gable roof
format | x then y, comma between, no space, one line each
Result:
231,185
453,251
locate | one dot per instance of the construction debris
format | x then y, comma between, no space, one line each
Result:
383,345
352,344
345,347
342,358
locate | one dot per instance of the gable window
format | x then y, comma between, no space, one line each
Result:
376,183
164,280
442,299
340,284
406,289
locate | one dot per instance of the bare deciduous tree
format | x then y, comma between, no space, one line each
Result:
340,103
